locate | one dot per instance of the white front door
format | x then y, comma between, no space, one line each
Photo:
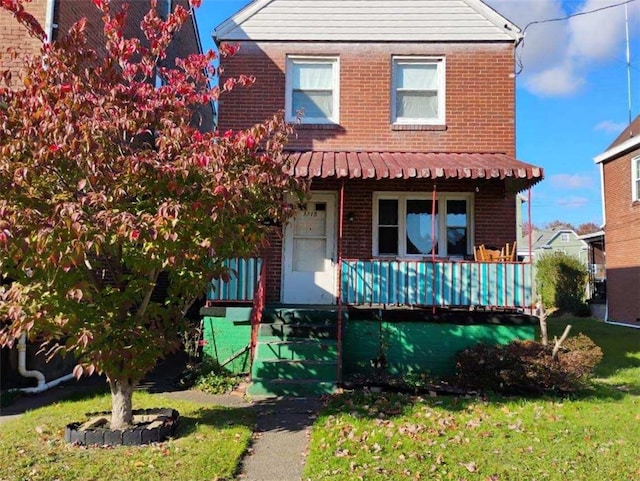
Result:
309,273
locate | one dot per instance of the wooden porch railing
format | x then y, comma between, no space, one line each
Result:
437,283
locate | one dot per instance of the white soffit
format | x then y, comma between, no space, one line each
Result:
367,20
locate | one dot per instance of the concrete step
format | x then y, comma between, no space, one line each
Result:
291,388
308,349
294,369
298,331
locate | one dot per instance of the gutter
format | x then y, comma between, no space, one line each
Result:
22,369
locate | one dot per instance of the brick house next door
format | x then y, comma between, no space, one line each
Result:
309,253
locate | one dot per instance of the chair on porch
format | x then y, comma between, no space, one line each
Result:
506,254
482,254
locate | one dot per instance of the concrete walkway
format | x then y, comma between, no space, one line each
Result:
281,434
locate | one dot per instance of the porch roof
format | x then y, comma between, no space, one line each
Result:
358,164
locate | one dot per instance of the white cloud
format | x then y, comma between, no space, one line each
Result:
557,56
611,127
572,181
556,81
574,202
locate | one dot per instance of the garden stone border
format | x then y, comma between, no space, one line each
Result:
151,426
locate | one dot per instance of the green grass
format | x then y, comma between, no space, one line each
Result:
208,446
590,436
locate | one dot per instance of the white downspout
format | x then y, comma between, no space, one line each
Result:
22,369
48,21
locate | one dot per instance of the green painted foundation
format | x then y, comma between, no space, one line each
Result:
227,331
297,350
419,346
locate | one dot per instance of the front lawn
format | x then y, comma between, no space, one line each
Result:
208,446
591,436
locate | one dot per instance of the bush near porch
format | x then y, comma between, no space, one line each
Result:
588,436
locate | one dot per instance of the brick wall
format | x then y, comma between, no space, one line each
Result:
68,12
479,96
479,118
14,36
494,212
622,234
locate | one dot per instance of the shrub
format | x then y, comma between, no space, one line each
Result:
527,367
562,281
214,379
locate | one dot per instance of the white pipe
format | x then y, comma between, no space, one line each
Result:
22,369
48,21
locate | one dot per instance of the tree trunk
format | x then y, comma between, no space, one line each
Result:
121,402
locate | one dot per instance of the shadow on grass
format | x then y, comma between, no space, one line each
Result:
84,389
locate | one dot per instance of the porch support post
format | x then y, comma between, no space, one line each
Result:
339,290
530,240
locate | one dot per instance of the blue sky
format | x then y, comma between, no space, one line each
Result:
571,100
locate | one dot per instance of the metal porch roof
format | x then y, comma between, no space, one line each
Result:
411,165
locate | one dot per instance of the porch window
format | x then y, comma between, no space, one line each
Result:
410,225
418,91
635,179
312,90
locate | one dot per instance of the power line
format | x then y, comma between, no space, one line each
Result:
520,65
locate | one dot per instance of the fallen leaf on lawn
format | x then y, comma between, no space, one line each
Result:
471,467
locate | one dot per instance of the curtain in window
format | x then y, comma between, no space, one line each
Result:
417,91
313,89
419,223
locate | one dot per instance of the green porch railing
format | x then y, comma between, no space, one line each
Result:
242,284
437,283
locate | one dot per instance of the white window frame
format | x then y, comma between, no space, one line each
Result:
441,69
564,237
292,116
441,199
635,179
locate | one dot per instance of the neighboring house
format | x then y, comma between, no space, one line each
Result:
407,135
553,240
620,171
597,289
57,16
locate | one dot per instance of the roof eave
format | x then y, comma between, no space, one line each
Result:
620,149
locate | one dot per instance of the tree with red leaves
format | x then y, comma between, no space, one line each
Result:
106,184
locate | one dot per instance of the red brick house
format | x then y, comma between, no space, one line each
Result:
57,16
620,171
406,130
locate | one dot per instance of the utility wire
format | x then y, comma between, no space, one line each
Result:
520,65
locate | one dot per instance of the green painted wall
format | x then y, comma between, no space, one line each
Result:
418,346
225,336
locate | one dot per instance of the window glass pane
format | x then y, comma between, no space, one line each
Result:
416,76
417,105
457,241
312,104
457,213
387,212
419,225
310,76
387,240
637,190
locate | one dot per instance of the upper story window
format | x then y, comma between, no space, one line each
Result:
418,91
312,90
635,179
564,237
409,224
